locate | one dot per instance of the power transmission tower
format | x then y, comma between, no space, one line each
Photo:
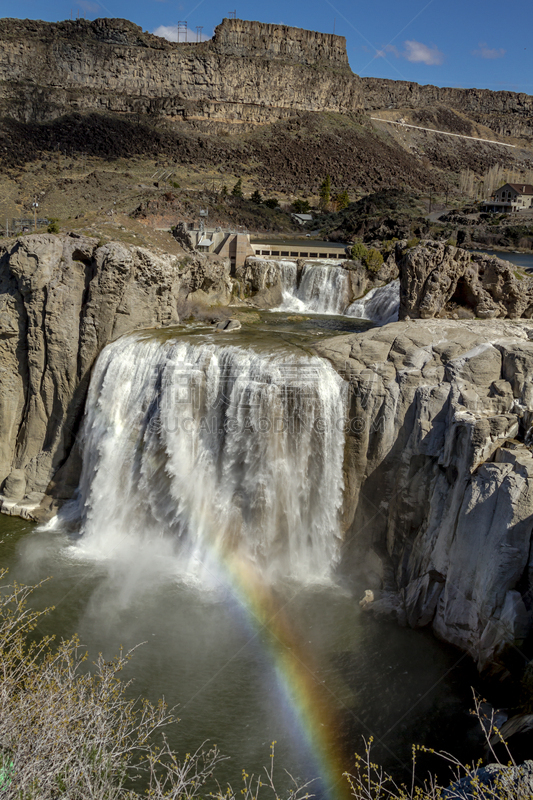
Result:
182,27
199,29
232,14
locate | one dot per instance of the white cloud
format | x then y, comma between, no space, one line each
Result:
171,33
488,52
416,52
421,53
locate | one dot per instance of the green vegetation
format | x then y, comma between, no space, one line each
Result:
272,202
342,200
359,251
237,189
372,260
256,197
53,225
301,207
412,243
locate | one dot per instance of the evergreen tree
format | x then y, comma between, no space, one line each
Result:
342,200
224,191
256,197
301,206
237,189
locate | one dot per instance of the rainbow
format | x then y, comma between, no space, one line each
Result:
305,695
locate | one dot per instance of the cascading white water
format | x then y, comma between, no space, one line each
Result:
214,447
380,305
323,289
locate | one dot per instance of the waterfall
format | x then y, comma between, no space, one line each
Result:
323,289
380,305
212,447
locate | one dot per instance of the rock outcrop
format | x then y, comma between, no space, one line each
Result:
62,299
439,280
439,476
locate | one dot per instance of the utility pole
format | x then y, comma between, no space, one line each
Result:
35,205
182,27
232,14
199,29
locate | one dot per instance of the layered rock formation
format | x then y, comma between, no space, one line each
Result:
62,299
246,73
439,280
439,476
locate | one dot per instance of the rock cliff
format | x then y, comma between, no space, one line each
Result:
62,299
439,476
247,73
439,280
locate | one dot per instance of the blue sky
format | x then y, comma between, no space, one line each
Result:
469,43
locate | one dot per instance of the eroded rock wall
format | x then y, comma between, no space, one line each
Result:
62,299
439,476
439,280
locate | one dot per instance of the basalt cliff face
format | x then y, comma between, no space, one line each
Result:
439,476
62,299
249,72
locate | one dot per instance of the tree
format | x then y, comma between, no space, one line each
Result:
224,191
325,192
342,200
53,226
272,202
256,197
301,206
237,189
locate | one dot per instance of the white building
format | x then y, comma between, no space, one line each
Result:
511,197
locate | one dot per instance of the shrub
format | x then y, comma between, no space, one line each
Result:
412,243
359,251
53,226
66,732
372,260
272,202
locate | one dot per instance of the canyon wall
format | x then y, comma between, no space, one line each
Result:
249,72
505,113
438,514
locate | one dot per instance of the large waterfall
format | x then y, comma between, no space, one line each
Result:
322,288
208,447
380,305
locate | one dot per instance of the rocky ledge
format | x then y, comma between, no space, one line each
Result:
438,511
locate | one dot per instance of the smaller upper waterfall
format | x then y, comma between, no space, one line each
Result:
322,289
380,305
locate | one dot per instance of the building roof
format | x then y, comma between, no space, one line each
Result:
521,188
205,243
